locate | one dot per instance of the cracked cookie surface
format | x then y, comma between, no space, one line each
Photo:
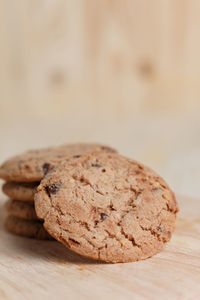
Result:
107,207
33,165
21,209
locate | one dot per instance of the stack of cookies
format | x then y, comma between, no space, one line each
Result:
95,201
22,218
23,174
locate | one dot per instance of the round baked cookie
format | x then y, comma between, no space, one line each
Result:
30,229
21,209
107,207
23,191
34,164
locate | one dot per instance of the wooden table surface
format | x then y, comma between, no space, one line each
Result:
31,269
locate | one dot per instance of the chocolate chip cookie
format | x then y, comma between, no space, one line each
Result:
21,209
33,165
107,207
22,191
30,229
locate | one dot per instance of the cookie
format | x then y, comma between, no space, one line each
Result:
30,229
107,207
34,164
23,191
21,209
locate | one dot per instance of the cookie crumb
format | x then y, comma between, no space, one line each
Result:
165,197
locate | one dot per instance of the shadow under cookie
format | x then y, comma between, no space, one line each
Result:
26,228
50,250
21,209
22,191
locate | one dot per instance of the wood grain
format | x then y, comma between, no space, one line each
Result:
32,269
122,72
123,57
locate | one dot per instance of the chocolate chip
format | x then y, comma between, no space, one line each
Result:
107,149
96,165
27,167
112,207
76,156
137,172
20,162
46,167
53,188
103,170
103,216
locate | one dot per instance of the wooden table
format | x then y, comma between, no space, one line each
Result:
31,269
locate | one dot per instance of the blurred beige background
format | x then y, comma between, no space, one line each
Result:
122,72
